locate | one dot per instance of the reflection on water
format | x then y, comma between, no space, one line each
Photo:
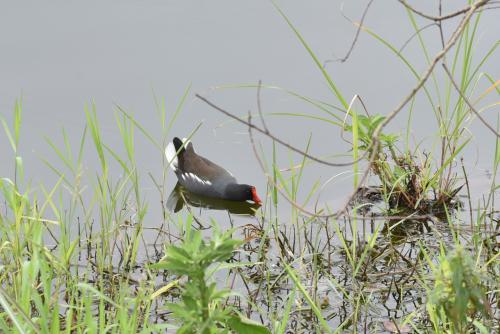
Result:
180,196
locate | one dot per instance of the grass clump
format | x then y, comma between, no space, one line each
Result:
405,182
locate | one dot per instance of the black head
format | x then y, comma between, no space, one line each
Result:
242,192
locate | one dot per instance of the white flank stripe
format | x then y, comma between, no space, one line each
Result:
195,178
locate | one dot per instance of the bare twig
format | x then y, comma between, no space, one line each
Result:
278,140
416,33
466,100
358,31
440,23
342,211
447,16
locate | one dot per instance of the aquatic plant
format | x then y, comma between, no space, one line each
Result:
202,308
458,294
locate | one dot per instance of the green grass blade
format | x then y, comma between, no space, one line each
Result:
319,65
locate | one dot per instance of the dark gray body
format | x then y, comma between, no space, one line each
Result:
202,176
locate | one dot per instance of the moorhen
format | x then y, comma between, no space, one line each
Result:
203,177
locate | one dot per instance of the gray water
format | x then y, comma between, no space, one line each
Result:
61,55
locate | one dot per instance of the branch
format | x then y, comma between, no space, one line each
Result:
468,102
342,60
270,135
447,16
337,214
416,33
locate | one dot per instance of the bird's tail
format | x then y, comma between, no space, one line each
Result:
176,145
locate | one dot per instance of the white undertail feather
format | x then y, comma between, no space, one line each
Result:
171,155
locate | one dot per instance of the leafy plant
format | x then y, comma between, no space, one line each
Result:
366,126
201,309
458,293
